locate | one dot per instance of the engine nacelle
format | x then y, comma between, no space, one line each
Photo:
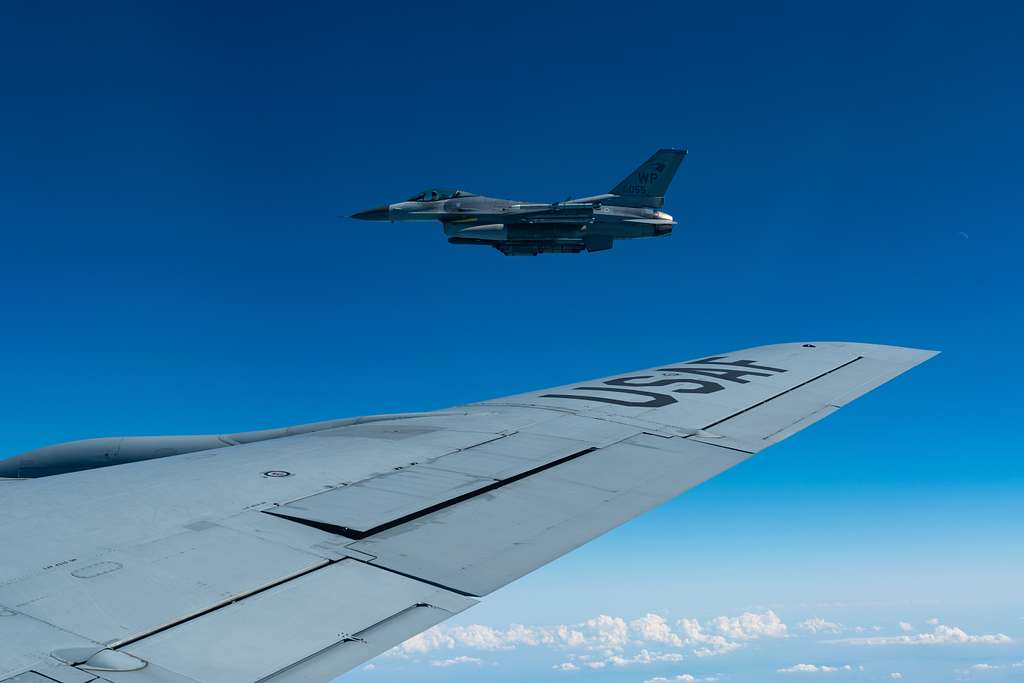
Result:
87,454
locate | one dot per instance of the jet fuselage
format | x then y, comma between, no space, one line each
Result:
631,210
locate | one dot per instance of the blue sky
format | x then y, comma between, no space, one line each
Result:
174,262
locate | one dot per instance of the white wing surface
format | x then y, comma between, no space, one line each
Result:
296,559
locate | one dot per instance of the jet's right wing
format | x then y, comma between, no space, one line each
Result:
298,558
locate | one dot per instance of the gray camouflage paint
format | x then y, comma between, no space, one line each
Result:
632,209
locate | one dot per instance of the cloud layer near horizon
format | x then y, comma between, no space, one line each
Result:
654,640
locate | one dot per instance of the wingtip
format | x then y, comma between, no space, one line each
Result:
904,355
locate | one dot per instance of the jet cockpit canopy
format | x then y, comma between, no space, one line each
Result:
437,194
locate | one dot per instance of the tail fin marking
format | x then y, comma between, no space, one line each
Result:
652,178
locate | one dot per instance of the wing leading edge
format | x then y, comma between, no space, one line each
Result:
299,558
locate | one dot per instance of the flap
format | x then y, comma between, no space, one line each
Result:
25,641
525,524
368,506
146,586
331,615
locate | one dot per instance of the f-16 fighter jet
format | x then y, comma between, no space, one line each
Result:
631,209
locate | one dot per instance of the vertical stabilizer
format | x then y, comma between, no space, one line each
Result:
653,177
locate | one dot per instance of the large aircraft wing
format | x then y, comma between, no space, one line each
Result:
296,559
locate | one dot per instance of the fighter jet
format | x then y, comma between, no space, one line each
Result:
517,228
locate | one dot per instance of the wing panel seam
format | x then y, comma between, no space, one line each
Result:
358,535
783,393
223,603
435,584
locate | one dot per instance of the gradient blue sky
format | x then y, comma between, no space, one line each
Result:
174,262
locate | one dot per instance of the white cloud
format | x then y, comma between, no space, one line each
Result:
643,657
940,635
617,642
817,625
480,637
608,632
565,666
968,673
454,661
707,644
814,669
896,675
654,628
906,627
750,625
934,621
431,639
682,678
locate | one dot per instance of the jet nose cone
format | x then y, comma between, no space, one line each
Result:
381,213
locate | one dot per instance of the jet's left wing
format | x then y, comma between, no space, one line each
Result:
298,558
563,213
